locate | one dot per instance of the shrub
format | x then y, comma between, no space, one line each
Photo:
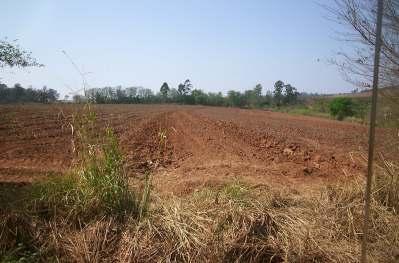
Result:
97,186
341,107
103,179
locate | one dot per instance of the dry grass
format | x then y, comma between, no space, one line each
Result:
387,183
235,223
259,225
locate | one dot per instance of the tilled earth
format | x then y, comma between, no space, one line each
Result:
187,147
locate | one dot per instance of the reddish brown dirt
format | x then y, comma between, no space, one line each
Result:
186,147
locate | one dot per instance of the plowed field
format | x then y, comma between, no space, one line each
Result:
187,147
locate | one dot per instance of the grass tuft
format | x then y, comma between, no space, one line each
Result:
97,187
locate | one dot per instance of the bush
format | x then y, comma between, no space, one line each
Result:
98,184
103,178
96,188
341,107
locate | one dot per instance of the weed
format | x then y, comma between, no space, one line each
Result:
97,185
145,200
235,191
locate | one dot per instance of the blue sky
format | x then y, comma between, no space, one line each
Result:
218,44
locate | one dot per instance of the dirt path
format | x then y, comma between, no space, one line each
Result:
191,147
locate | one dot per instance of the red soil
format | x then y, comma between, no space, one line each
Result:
187,147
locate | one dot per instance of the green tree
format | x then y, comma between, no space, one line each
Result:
173,95
215,99
235,99
12,55
249,98
291,94
268,98
199,97
341,107
52,95
18,92
278,95
257,93
258,90
164,90
185,88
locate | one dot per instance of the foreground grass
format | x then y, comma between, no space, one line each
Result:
234,223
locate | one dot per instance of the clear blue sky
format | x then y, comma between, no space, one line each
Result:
218,44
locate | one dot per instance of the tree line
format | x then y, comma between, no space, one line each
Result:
17,93
283,94
11,55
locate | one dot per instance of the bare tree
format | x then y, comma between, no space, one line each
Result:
359,16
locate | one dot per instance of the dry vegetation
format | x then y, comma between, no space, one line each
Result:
233,223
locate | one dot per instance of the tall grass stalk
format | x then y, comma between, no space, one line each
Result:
145,199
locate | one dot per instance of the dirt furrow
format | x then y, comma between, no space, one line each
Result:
188,147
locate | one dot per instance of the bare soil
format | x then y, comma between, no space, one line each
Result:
187,147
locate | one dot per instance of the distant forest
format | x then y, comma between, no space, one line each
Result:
17,93
284,97
283,94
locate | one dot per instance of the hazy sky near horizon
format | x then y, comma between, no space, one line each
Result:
218,44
